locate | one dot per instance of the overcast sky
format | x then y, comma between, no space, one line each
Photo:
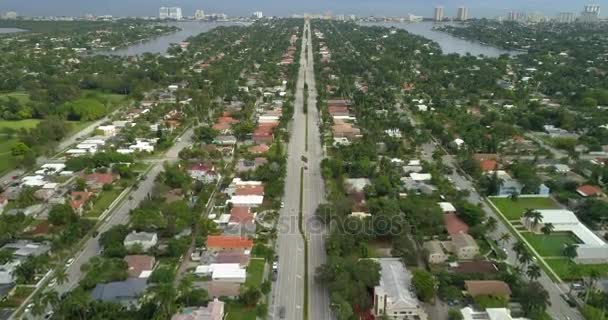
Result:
487,8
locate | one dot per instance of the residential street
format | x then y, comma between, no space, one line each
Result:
559,309
120,214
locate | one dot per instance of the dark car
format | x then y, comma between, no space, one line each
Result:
282,312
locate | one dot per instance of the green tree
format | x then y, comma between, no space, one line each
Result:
425,284
62,214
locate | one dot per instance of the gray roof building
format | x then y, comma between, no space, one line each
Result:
123,292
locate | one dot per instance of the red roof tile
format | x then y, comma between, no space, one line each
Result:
100,178
454,225
589,190
228,242
488,165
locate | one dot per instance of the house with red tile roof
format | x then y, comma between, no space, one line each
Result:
259,149
79,200
249,190
588,190
221,127
262,136
228,243
488,165
97,180
139,266
454,225
240,215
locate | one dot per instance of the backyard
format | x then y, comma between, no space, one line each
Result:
255,273
513,209
237,311
551,245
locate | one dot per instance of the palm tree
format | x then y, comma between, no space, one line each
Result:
547,229
185,287
525,257
533,272
39,306
590,282
491,224
165,296
514,196
51,298
571,251
533,217
504,238
60,275
519,247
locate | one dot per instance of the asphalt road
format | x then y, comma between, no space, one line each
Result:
288,289
559,309
314,194
120,215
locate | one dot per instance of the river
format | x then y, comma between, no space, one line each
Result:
162,43
447,42
10,30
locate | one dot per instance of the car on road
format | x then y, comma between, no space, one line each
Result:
282,204
95,233
282,312
570,301
69,262
53,283
304,159
48,315
275,266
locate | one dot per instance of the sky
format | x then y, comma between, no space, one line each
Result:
478,8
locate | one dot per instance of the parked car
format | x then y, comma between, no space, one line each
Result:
69,262
282,312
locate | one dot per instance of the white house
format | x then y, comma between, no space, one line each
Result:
393,296
145,239
469,313
202,172
108,131
458,143
591,250
227,272
246,200
51,168
420,176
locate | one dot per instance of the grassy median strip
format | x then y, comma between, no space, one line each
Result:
301,229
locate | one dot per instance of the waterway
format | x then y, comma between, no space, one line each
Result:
10,30
447,42
162,43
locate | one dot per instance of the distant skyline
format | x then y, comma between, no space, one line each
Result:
487,8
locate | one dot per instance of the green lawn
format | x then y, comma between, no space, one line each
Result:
27,124
22,97
19,295
7,161
513,210
563,268
255,273
237,311
103,201
552,244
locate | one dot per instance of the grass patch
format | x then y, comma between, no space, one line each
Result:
551,245
513,210
20,124
22,97
103,201
563,268
238,311
255,272
19,295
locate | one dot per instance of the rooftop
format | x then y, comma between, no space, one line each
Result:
395,281
487,287
228,242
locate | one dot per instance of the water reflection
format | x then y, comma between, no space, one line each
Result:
162,43
447,42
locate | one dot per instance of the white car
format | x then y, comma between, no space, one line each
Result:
69,262
282,204
53,283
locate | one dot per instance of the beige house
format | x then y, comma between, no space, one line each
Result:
436,255
463,246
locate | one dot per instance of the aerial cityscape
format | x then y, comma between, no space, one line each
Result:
443,161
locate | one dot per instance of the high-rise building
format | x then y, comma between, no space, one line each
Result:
566,17
10,15
199,14
258,15
438,14
174,13
516,16
462,14
591,13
